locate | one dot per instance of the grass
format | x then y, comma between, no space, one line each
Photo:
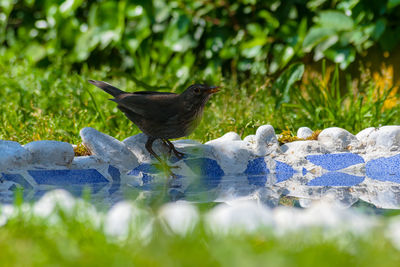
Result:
28,240
55,103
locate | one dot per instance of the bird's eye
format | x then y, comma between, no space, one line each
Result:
196,90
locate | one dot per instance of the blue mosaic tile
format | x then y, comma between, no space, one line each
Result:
257,180
211,172
304,171
384,169
18,179
67,177
208,167
283,171
116,176
256,167
335,162
336,179
146,169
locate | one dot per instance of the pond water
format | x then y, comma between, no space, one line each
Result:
295,189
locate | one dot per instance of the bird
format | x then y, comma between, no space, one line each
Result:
162,115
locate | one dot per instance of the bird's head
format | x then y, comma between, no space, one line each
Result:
198,94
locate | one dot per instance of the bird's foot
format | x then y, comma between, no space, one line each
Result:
178,154
165,168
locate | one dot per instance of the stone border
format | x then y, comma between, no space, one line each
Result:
368,163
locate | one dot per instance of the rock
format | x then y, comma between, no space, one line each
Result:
385,137
136,144
266,141
338,139
87,162
109,149
48,152
240,217
250,139
232,156
304,132
179,217
13,155
363,135
231,136
125,220
303,148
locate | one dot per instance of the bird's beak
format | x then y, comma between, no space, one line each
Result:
213,89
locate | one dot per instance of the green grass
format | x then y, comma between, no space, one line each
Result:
55,103
28,240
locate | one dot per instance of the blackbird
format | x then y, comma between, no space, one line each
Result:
162,115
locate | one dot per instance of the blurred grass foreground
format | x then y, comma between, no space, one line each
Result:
316,63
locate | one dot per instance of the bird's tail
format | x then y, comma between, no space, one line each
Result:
114,91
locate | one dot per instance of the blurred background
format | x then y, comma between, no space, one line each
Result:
288,51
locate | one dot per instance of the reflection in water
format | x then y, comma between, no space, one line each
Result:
145,184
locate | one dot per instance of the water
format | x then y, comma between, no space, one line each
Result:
296,189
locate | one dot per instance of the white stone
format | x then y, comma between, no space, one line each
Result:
303,148
338,139
47,204
232,156
230,136
386,137
125,218
109,149
179,217
250,139
363,135
392,231
13,155
48,152
88,162
304,132
266,141
136,144
244,216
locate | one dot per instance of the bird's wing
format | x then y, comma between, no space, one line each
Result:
150,105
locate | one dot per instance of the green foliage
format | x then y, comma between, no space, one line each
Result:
56,103
156,41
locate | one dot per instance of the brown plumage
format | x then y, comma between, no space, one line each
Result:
162,115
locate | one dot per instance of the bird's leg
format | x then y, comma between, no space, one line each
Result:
163,164
168,146
178,154
149,147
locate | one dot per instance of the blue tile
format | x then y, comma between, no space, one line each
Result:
207,167
336,179
67,177
257,180
256,167
283,171
208,170
146,170
384,169
335,162
18,179
304,171
116,176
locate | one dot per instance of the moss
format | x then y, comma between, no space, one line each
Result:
287,136
81,150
